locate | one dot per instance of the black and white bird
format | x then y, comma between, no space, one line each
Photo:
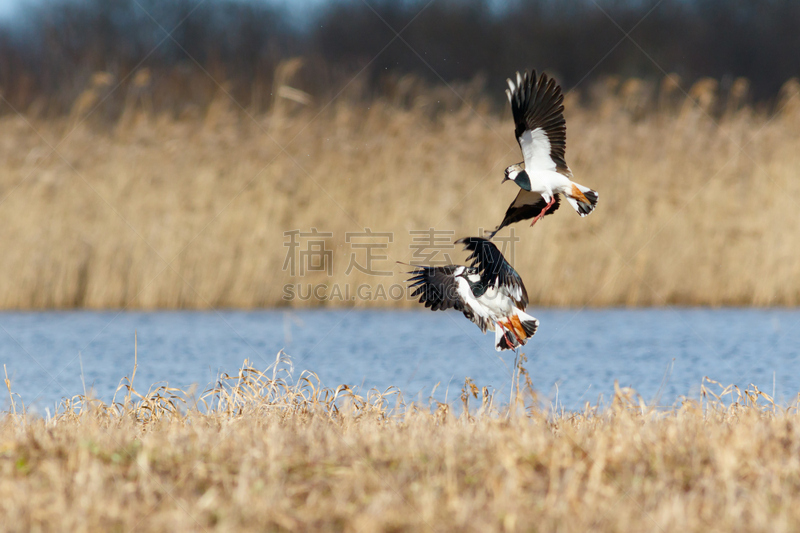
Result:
538,108
489,292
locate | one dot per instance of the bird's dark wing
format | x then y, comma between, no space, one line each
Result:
436,287
494,269
525,206
538,109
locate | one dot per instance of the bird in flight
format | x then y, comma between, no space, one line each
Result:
538,108
489,292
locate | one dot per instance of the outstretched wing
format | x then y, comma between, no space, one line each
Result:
538,109
495,270
525,206
436,287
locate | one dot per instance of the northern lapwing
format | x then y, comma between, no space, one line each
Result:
537,105
489,292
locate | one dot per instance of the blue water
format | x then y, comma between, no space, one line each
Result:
574,357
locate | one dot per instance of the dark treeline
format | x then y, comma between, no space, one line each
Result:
53,52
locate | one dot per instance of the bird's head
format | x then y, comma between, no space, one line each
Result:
513,171
468,273
517,174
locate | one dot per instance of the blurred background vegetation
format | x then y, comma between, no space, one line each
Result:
51,50
153,153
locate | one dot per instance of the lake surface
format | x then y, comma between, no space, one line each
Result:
574,357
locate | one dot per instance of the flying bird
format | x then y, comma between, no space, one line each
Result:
538,108
489,292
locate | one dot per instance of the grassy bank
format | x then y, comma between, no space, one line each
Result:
697,197
263,452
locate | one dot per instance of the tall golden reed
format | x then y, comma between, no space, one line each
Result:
697,197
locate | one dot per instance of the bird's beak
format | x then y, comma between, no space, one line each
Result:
505,179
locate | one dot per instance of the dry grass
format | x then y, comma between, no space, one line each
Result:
164,212
265,452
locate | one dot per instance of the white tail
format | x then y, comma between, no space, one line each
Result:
582,199
512,332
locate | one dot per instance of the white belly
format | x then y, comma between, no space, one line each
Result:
491,305
497,305
548,182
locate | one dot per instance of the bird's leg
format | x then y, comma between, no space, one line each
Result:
544,211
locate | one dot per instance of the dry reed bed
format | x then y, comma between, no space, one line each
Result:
264,452
158,212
